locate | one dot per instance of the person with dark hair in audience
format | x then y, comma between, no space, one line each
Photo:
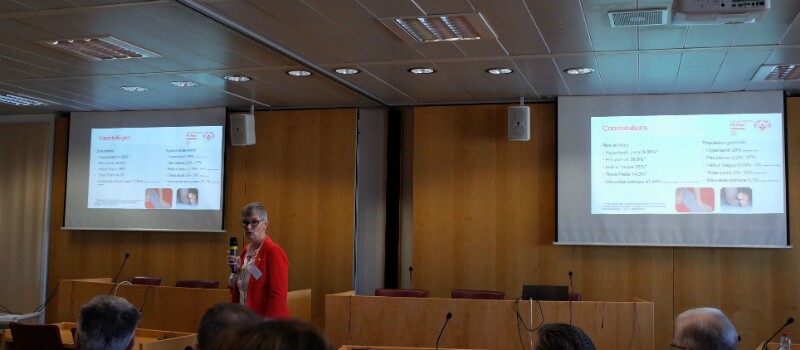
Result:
561,336
106,323
704,328
223,317
276,334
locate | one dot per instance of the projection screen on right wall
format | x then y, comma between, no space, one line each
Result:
672,170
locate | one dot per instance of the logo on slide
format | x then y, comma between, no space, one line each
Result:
208,136
762,125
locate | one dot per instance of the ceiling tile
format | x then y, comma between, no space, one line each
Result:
619,73
710,35
563,26
658,72
512,23
699,70
738,69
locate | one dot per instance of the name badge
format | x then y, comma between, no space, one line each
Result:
254,271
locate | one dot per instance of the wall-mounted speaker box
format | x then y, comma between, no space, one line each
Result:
243,129
519,123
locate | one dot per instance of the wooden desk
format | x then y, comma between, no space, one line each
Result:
479,324
169,308
144,339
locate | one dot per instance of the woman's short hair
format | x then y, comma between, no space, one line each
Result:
254,208
561,336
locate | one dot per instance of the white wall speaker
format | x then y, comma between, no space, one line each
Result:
243,129
519,123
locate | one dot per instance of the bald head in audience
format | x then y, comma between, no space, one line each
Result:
704,329
223,317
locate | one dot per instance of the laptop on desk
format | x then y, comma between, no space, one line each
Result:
544,292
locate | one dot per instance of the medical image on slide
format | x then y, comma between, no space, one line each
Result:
694,199
736,199
158,198
187,197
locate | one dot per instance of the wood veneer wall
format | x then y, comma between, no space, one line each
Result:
484,218
302,169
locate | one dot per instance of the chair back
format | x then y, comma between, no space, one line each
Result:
197,284
35,336
408,293
150,281
477,294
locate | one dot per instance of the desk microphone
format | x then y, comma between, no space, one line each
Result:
411,277
571,296
449,315
234,243
118,272
788,322
120,267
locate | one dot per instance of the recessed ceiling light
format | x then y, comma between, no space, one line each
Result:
347,71
578,70
100,48
20,101
184,83
299,73
133,88
499,71
238,78
421,70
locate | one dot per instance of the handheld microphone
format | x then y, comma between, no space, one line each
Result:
234,243
411,277
788,322
449,315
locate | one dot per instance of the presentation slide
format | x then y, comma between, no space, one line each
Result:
156,168
681,164
687,170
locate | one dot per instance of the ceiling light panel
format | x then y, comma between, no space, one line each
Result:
100,48
439,28
20,101
777,73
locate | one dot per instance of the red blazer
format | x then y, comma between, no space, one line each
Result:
267,295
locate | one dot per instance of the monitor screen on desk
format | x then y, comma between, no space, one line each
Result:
542,292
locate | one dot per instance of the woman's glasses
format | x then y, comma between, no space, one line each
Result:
253,223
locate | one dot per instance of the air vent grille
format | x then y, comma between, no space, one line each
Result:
638,18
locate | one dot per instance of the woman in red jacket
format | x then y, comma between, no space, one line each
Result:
261,280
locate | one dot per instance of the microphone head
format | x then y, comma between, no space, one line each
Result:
570,274
410,268
790,320
234,242
127,255
449,315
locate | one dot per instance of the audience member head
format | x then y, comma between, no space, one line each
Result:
273,335
704,329
107,323
561,336
223,317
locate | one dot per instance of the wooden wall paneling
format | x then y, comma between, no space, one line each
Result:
475,201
